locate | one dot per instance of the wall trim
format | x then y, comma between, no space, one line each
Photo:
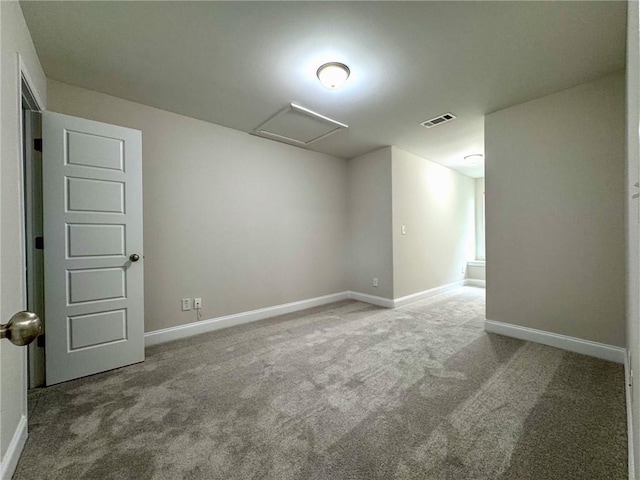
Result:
23,71
372,299
572,344
156,337
10,460
627,388
416,297
475,282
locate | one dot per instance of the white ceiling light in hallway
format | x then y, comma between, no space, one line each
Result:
474,159
333,75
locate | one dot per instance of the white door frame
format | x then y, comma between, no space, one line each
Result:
32,173
12,455
25,79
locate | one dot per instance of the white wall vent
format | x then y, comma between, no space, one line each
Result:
298,126
444,118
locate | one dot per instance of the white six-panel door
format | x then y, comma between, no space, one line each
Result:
92,194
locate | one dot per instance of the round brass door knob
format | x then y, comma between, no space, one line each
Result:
134,257
22,328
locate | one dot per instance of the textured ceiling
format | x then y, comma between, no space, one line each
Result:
238,63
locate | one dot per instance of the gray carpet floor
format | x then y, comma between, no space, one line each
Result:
343,391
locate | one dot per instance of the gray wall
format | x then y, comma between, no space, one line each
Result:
15,39
389,188
370,214
555,230
238,220
633,214
436,205
246,223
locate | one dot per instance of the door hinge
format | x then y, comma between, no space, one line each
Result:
39,243
40,340
37,144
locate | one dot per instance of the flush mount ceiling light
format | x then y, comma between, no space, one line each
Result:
474,159
333,75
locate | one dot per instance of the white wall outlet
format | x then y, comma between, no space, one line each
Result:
375,282
403,229
186,304
197,303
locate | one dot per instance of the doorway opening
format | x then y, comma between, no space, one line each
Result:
33,225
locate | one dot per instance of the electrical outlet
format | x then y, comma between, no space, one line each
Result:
186,304
403,229
375,282
197,303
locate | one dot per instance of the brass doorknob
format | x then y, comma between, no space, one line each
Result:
22,328
134,257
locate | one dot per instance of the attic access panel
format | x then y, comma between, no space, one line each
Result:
298,126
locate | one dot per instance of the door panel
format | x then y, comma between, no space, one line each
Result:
97,329
92,223
101,196
96,284
95,240
95,151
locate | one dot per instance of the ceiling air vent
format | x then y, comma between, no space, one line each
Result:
447,117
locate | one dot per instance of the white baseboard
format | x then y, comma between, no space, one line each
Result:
415,297
572,344
372,299
183,331
475,282
196,328
477,263
627,388
10,461
407,299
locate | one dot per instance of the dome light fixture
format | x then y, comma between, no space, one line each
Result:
474,159
333,75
